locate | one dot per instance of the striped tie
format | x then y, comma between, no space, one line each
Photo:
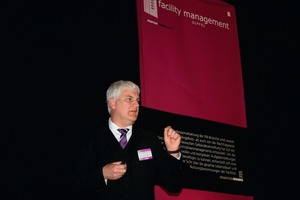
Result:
123,140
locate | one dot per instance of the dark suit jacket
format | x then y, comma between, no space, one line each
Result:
141,176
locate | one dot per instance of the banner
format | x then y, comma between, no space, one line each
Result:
191,79
190,60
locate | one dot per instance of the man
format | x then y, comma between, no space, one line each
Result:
106,171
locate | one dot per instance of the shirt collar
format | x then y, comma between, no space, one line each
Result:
114,129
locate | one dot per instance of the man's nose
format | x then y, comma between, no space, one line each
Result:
136,103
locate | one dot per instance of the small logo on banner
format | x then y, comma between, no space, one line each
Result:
150,7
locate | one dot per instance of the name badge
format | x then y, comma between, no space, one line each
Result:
145,154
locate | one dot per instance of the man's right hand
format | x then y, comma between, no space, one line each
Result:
114,171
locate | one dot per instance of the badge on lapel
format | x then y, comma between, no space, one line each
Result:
145,154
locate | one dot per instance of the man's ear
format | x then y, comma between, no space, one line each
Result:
112,103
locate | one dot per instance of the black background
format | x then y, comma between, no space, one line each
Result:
58,57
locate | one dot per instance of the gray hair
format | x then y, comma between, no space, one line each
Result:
114,90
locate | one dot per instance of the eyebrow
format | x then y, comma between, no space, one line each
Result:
129,96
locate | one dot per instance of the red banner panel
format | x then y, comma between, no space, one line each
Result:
190,59
188,194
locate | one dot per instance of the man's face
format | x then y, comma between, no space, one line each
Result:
126,107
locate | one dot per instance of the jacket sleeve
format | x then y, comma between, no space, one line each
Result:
170,170
87,174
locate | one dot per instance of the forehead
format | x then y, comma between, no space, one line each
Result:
129,92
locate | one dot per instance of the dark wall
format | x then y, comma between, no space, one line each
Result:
58,58
269,49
